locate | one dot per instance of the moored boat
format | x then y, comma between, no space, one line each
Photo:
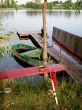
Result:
27,36
29,56
36,53
22,48
23,36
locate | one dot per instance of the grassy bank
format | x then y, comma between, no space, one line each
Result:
34,97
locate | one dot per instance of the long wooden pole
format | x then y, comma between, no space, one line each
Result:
44,36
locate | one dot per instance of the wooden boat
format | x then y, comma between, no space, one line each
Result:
23,36
36,53
69,42
28,55
19,48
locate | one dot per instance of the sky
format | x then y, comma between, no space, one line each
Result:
24,1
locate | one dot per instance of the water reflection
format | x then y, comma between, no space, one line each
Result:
64,13
55,13
33,13
8,63
31,20
7,14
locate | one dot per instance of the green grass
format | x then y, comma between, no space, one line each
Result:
34,97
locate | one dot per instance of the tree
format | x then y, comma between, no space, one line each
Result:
78,4
13,3
68,4
2,3
44,36
56,2
8,3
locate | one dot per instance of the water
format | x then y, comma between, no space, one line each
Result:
31,21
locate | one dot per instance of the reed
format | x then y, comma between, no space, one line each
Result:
25,96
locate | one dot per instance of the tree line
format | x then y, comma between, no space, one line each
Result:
68,4
8,3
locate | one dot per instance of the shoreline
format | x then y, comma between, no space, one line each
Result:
1,9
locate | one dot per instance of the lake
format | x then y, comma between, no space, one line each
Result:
31,21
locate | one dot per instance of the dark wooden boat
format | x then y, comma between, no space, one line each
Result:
69,42
23,36
30,55
28,37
